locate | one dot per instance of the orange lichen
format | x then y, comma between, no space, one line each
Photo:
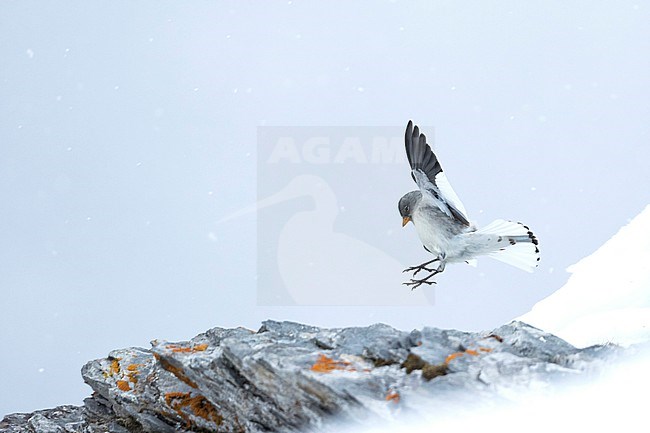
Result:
325,364
179,349
132,372
178,372
393,396
123,385
134,367
472,352
187,349
114,367
198,406
132,375
204,409
453,356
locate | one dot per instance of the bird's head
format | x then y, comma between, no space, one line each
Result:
407,205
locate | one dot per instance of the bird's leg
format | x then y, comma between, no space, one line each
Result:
415,283
422,267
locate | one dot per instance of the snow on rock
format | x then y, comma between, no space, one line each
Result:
607,297
616,401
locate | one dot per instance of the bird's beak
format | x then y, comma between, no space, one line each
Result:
405,220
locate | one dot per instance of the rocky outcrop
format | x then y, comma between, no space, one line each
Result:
293,377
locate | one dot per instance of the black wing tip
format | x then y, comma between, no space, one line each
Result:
419,153
413,132
408,139
409,129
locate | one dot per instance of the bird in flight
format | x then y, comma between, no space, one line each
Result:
442,224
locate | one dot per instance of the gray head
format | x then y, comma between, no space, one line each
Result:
407,205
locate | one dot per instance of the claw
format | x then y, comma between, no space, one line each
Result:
415,283
418,283
422,267
417,269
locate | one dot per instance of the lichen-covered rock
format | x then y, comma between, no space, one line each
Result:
293,377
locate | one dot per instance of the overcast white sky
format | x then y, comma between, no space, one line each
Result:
127,131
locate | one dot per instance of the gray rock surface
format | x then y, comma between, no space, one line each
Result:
293,377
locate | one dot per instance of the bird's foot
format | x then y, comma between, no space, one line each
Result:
415,283
422,267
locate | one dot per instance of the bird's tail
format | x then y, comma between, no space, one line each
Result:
513,244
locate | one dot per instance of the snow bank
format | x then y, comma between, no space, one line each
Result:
607,297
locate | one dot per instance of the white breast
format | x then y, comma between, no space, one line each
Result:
433,236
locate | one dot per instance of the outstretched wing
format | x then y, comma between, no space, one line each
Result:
428,175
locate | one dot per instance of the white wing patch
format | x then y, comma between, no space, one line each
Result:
434,196
448,193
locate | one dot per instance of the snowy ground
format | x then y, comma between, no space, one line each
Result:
607,297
